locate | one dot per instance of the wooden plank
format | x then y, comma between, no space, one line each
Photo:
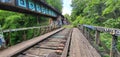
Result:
74,48
80,46
26,44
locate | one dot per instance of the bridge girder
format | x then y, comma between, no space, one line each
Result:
35,7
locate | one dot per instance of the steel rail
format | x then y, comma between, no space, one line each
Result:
67,45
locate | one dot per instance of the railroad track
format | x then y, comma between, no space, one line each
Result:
56,45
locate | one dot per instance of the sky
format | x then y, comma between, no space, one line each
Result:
66,7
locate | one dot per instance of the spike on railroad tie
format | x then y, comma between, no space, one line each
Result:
61,48
58,51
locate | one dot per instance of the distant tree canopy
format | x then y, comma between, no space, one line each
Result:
68,17
96,12
105,13
56,4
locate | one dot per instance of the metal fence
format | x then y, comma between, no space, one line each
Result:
95,38
37,31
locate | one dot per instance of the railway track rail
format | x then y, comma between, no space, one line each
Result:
53,44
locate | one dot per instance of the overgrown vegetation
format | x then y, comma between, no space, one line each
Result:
12,20
56,3
96,12
104,13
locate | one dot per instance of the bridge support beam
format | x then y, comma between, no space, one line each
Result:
24,36
88,35
83,28
97,37
113,51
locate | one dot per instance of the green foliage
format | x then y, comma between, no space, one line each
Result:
12,20
105,13
68,17
106,38
68,26
95,12
112,23
56,4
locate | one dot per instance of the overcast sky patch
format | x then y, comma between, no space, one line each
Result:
67,7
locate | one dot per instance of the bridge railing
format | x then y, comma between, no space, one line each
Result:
95,39
23,32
